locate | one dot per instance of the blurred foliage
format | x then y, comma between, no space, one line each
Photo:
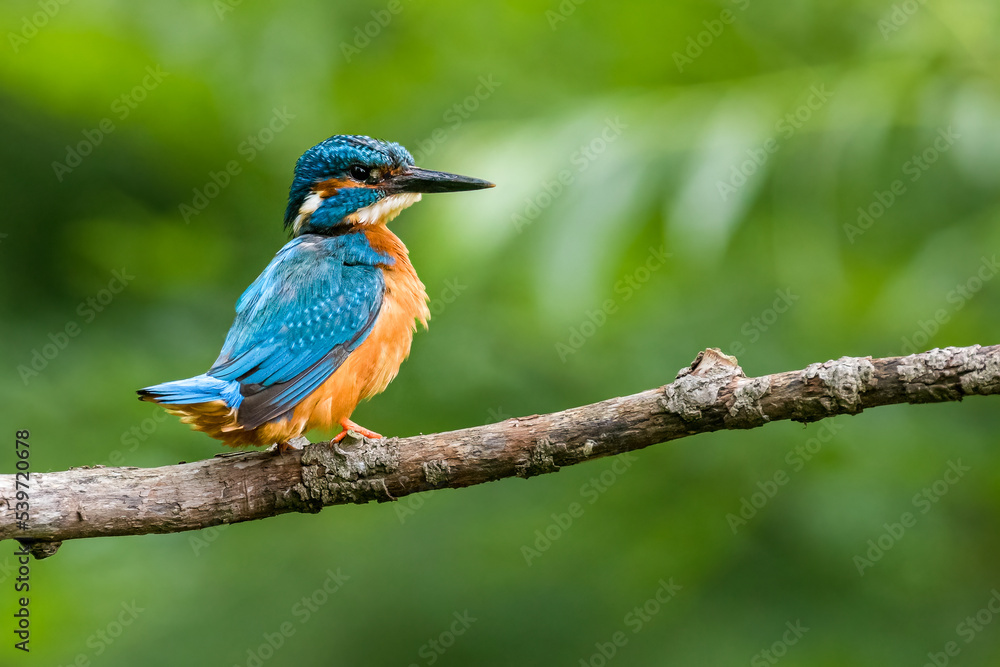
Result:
608,128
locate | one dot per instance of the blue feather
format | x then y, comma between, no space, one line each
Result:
295,325
200,389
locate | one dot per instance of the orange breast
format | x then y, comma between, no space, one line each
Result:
373,365
367,371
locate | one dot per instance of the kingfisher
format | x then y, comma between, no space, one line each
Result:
331,318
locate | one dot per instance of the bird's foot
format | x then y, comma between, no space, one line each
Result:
348,425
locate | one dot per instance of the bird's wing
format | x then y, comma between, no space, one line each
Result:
297,323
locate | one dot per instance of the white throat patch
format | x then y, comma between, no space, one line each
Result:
381,211
384,210
308,207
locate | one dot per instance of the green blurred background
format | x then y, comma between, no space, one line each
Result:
742,137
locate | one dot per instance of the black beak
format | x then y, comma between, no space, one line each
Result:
415,179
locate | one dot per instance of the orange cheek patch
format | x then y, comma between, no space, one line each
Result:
329,187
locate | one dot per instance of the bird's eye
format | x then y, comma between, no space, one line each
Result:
360,173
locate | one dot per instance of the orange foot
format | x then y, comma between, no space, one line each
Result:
348,425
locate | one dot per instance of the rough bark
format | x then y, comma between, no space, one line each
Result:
711,394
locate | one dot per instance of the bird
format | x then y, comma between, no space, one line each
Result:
331,318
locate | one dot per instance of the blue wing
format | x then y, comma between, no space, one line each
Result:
297,323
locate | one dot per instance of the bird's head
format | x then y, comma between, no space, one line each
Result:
351,180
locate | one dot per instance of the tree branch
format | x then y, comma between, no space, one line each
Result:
711,394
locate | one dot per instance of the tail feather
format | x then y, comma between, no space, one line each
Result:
199,389
210,405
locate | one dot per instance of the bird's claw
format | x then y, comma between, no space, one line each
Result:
348,425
